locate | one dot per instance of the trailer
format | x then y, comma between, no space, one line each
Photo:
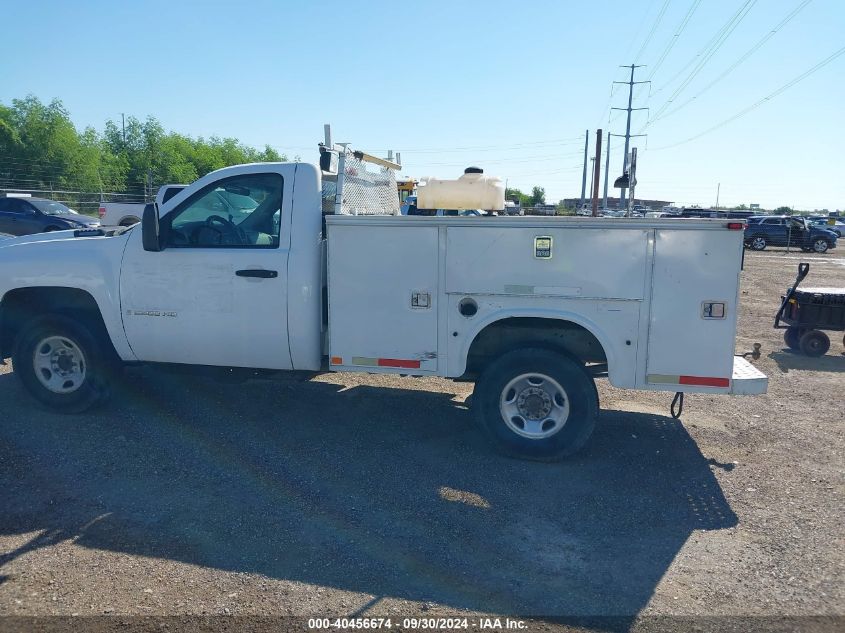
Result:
805,313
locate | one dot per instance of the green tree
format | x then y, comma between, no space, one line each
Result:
537,196
783,211
41,150
517,195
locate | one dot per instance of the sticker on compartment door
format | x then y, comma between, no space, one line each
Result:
543,247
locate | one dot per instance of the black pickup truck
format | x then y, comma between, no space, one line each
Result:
783,230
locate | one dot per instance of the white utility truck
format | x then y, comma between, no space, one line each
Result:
313,269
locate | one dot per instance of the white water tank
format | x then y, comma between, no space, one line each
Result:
473,190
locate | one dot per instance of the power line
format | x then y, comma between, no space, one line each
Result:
674,39
711,42
606,107
653,29
739,61
639,28
756,105
708,52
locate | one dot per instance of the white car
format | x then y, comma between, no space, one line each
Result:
129,213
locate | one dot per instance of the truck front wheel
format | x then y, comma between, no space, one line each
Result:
536,404
60,362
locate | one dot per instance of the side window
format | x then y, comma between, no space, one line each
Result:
241,211
170,192
14,205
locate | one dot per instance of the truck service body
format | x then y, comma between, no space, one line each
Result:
529,308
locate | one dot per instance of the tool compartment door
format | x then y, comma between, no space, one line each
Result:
383,296
693,309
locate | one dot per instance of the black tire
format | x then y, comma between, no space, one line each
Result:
815,343
90,389
821,245
792,337
757,243
579,397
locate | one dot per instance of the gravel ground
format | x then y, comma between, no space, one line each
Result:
374,495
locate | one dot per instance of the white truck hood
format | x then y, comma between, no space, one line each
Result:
45,237
61,259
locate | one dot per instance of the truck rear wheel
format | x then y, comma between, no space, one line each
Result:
60,362
536,404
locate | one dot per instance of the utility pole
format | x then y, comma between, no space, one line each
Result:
596,174
633,181
123,126
584,176
606,170
592,175
718,187
631,83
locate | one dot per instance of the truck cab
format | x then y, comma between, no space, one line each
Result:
225,269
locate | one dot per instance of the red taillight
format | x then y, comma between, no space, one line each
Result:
101,211
736,226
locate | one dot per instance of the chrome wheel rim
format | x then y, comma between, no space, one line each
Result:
59,364
758,243
820,246
534,406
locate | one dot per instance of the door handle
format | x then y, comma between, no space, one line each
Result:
257,272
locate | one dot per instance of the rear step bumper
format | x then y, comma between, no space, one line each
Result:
747,380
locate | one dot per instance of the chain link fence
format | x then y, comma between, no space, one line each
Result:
86,202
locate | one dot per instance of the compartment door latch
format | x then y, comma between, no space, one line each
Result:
713,310
420,300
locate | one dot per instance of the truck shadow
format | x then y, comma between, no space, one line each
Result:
388,492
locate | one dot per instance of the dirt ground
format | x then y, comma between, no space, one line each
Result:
375,495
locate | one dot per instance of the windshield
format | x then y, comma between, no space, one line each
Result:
50,207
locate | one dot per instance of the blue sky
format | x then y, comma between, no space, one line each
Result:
517,82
